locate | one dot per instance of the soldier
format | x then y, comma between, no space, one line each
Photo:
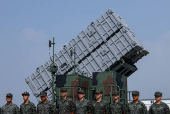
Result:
100,106
83,106
65,105
45,106
159,107
9,107
27,107
116,107
136,106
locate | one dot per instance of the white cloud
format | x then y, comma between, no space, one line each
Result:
153,70
30,34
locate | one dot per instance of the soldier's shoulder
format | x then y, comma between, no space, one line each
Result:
14,105
3,105
164,104
141,103
152,105
32,103
121,103
49,102
104,101
86,100
130,103
40,102
93,102
69,100
77,101
111,104
58,99
22,104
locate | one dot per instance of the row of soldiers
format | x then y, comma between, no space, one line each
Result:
83,106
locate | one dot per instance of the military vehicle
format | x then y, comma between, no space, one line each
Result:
104,57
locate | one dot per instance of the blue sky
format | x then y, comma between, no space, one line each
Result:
26,27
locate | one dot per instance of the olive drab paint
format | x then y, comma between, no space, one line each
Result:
73,82
108,81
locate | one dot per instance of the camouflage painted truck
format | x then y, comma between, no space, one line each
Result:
108,81
106,51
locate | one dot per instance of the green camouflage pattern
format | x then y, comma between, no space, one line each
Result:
138,108
114,78
9,95
28,108
83,107
135,93
101,107
73,83
46,108
117,108
65,106
161,108
158,94
10,109
108,82
26,93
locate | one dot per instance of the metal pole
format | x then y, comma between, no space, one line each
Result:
53,76
74,59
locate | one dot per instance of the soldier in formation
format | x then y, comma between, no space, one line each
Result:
136,106
100,106
65,105
159,107
83,106
9,107
116,107
45,106
27,107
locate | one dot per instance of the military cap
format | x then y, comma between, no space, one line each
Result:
9,95
81,91
158,94
115,93
26,93
43,93
135,93
98,91
63,89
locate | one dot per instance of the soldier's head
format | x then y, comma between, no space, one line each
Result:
98,93
63,92
115,95
135,95
9,97
25,95
43,96
158,96
81,94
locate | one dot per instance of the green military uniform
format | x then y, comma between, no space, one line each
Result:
161,108
84,106
28,108
10,109
138,108
47,107
117,107
65,106
101,107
